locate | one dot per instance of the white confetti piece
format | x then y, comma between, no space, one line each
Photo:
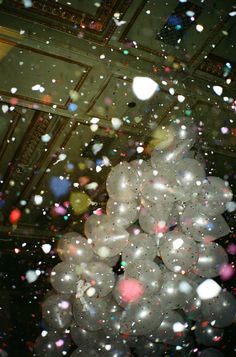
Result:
144,87
208,289
218,90
46,248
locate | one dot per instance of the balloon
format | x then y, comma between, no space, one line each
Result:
213,196
192,309
85,352
208,335
189,174
147,273
140,166
110,261
107,238
52,344
91,314
172,330
140,246
111,325
165,157
100,276
83,338
154,217
123,213
221,309
74,248
64,278
199,225
115,348
146,348
179,252
211,352
56,311
158,185
122,183
211,258
176,291
141,318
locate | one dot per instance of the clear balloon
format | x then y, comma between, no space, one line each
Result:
176,291
85,352
199,225
100,276
57,312
172,330
221,309
110,261
208,335
213,196
123,213
91,313
108,239
211,258
154,217
147,273
122,183
64,278
140,246
83,338
179,251
141,318
211,352
52,344
158,185
189,173
74,248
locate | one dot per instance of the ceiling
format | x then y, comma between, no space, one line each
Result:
66,62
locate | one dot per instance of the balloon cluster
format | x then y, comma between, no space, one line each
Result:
162,219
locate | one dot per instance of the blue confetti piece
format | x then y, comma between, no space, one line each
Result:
59,187
72,107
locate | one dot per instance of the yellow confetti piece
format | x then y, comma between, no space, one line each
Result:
80,202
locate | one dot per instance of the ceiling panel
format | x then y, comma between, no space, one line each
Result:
22,69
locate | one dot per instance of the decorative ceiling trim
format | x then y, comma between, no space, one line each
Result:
24,152
215,65
80,82
13,122
71,21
